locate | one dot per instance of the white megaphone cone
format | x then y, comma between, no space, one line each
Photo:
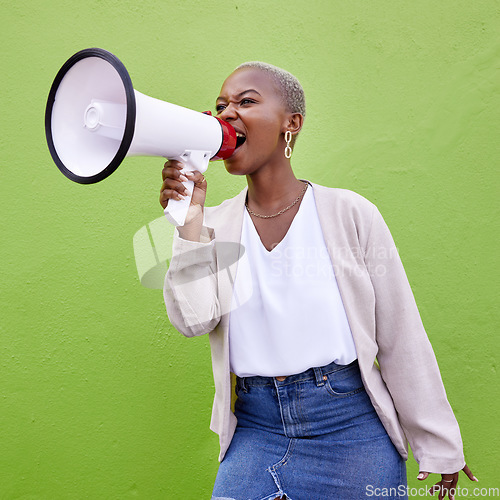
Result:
94,119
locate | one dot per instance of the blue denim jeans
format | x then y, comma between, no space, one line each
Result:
312,436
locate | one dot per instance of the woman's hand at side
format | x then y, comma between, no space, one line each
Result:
173,189
448,483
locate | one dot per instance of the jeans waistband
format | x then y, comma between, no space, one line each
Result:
318,374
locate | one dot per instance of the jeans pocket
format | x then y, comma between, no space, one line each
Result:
344,382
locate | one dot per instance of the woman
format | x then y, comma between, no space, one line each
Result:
307,304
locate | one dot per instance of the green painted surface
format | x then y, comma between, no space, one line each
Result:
100,397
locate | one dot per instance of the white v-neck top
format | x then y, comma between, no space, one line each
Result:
293,317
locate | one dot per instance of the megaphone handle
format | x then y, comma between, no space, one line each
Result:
176,210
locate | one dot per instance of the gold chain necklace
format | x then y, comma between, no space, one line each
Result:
281,211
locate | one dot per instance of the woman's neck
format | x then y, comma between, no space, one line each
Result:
269,189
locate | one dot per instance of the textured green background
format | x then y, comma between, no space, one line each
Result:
99,397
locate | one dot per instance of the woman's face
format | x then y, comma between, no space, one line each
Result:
250,102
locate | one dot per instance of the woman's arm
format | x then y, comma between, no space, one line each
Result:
190,289
407,362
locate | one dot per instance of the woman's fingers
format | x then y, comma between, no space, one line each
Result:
172,187
469,474
172,169
436,489
448,484
173,174
175,184
169,194
171,190
199,188
443,488
197,177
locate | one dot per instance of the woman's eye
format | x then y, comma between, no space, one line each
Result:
247,101
219,108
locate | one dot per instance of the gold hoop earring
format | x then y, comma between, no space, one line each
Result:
288,149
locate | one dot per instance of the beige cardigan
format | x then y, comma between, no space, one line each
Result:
406,391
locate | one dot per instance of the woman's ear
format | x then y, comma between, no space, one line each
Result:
294,123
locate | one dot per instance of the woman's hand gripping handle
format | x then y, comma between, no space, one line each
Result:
187,189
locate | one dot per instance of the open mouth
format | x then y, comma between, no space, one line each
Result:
240,139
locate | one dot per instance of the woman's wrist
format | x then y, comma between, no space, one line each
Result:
191,230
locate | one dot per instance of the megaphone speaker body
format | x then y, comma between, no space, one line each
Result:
95,118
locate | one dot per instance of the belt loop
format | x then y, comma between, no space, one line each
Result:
241,383
318,375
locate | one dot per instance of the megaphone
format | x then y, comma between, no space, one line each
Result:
94,119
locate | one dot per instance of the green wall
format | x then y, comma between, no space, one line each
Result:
100,398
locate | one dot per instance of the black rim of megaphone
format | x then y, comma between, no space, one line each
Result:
129,123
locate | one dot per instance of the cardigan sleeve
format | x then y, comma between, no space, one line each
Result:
190,288
407,362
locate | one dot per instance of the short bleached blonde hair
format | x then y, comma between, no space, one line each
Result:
290,88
